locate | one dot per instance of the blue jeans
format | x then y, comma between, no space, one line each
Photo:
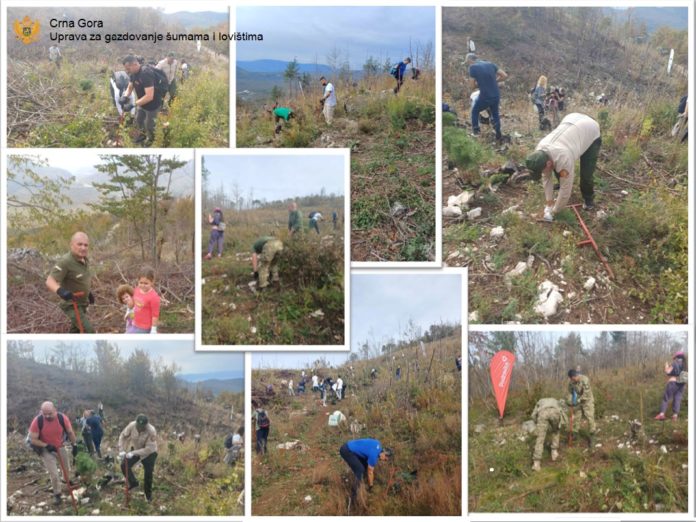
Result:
493,106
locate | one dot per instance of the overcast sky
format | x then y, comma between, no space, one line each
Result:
83,161
310,33
173,6
274,177
381,306
180,352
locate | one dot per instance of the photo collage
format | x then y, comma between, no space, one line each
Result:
312,211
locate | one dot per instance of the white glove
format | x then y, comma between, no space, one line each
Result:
153,330
121,454
548,214
129,455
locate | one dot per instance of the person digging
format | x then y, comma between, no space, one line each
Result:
138,443
363,455
264,260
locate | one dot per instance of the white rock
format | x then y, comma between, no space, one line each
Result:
454,255
548,299
41,504
449,211
203,281
491,470
663,449
497,232
317,314
253,329
84,500
601,214
530,261
462,200
572,295
589,284
567,233
583,475
624,192
597,445
308,498
519,269
474,316
473,214
511,209
95,512
621,446
684,466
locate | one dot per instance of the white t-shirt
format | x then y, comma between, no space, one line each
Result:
290,384
331,100
315,380
339,383
168,68
236,439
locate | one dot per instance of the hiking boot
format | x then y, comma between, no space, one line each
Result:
660,416
588,205
536,466
554,455
57,499
133,485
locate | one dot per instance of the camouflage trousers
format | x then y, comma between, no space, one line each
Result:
268,262
585,409
548,420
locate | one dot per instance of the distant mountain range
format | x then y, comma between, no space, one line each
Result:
279,66
82,190
216,382
654,17
201,19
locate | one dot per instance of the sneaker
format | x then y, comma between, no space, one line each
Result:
208,257
675,417
660,417
57,499
554,455
548,214
588,205
475,134
536,466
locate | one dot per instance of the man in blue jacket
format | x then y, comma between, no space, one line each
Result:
362,456
399,74
485,76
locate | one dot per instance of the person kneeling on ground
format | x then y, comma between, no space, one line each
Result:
576,137
362,456
138,443
264,260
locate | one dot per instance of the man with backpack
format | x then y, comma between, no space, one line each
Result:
398,72
138,443
47,432
362,455
150,85
263,426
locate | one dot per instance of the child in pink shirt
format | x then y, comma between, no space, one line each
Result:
147,303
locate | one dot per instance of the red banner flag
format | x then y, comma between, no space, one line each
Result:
501,371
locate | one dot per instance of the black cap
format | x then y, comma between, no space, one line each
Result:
573,373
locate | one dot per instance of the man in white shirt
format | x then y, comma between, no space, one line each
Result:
315,382
339,388
169,65
577,137
328,99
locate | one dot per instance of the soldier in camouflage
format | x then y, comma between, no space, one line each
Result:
549,416
580,396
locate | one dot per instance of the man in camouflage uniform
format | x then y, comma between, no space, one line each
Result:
264,259
70,278
580,396
548,415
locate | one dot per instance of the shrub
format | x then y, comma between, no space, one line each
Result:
448,119
463,151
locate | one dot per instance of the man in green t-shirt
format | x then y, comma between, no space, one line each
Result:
281,113
264,259
294,219
70,278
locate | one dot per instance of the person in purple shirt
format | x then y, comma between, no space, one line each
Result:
485,76
362,456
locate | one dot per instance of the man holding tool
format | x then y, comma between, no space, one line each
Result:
576,137
47,432
70,278
580,395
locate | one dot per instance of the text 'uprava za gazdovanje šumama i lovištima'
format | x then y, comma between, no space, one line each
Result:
84,23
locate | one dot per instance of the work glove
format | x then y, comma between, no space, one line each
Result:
153,330
51,448
90,298
129,455
64,294
123,100
121,455
127,107
74,450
